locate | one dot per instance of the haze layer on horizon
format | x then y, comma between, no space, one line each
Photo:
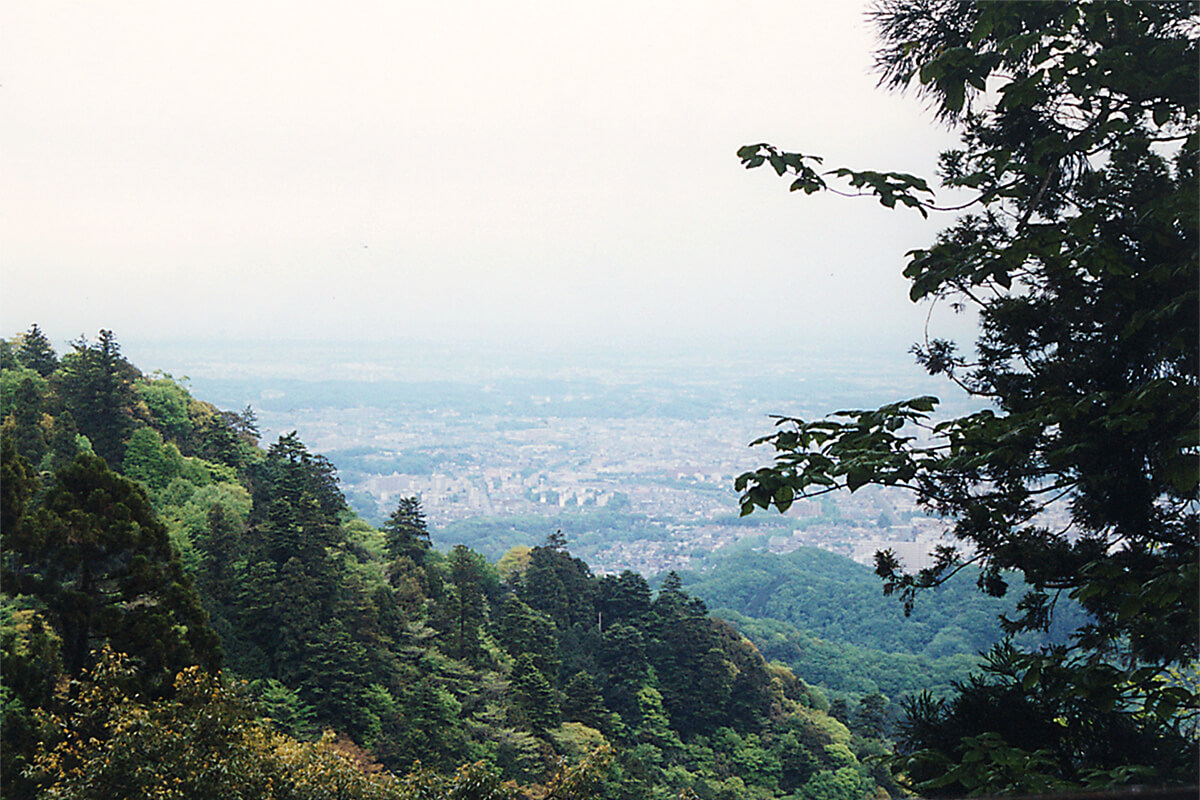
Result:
562,175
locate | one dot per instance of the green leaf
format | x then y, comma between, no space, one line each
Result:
857,477
1031,676
982,29
925,403
955,95
783,497
1183,474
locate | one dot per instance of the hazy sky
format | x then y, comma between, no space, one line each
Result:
562,172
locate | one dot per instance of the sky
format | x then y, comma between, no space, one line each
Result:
545,174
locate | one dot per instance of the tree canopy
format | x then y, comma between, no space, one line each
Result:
127,584
1077,249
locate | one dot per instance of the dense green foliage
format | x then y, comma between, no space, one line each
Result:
824,616
589,529
96,559
794,587
848,671
186,614
1080,131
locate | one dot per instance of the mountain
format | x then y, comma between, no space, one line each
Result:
188,613
826,617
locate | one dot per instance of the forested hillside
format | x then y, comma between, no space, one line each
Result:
797,587
825,617
189,614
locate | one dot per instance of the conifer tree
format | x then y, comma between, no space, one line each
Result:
623,597
583,702
95,383
36,352
464,609
405,531
533,695
23,422
101,562
527,632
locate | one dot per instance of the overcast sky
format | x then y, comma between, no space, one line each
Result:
559,172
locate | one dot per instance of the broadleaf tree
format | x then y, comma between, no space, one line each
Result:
1077,249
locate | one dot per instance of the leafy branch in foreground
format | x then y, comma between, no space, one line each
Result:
1079,131
889,187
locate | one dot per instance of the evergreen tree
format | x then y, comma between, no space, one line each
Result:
23,423
222,548
871,716
433,736
64,441
101,562
626,669
36,352
623,598
297,503
8,355
654,725
18,485
464,609
583,702
405,531
284,707
292,603
29,648
560,586
533,695
96,386
686,652
331,630
334,675
244,423
524,631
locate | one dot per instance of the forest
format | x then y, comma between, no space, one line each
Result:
187,613
862,643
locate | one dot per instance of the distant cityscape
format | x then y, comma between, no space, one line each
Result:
660,446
